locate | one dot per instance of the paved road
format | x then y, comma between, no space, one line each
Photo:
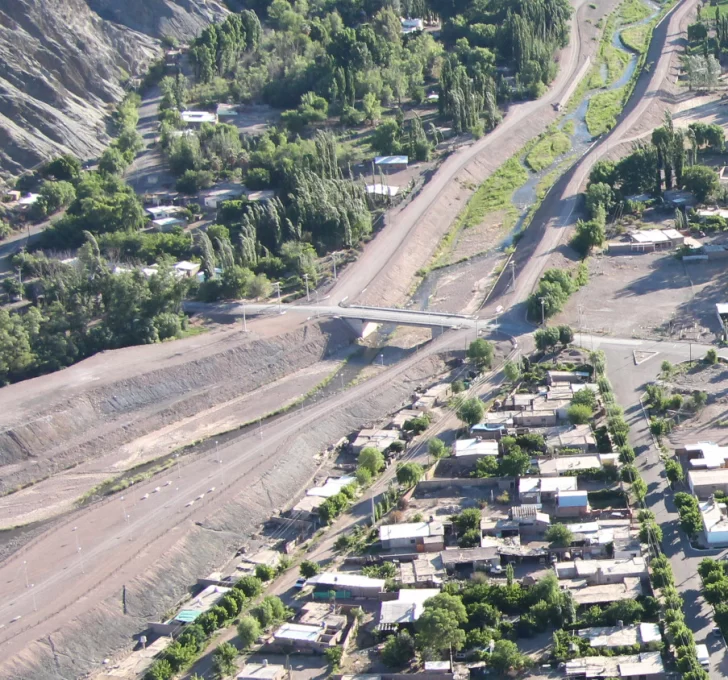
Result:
115,549
629,380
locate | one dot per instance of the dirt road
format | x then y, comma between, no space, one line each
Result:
109,544
385,269
557,213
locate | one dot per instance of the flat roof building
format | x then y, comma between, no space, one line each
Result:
413,536
406,609
567,465
715,523
377,439
354,584
643,634
306,637
645,666
586,595
705,455
575,437
566,376
704,483
477,448
538,489
331,487
601,572
198,117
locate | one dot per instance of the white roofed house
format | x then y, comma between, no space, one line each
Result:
572,503
413,536
347,584
406,609
573,465
197,118
646,635
467,452
715,523
643,666
543,489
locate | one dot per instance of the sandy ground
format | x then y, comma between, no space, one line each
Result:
57,494
649,295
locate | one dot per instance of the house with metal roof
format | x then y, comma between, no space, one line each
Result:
352,585
645,666
406,609
646,635
413,536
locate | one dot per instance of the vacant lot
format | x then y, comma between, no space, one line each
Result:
650,295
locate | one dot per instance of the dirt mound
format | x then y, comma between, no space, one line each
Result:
85,412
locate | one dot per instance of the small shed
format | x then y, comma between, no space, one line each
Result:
391,162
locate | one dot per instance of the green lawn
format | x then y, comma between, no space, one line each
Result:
603,111
631,11
637,37
553,145
708,11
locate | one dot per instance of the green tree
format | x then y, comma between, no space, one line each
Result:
506,657
264,572
384,140
481,352
223,659
408,474
599,195
512,371
471,411
515,463
248,631
546,338
674,471
467,520
334,655
566,335
159,670
438,629
65,167
579,414
371,108
559,535
250,585
309,568
585,397
398,650
112,162
701,180
711,356
437,448
371,459
363,476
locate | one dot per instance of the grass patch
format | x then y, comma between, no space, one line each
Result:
631,11
637,38
616,62
601,116
548,149
569,127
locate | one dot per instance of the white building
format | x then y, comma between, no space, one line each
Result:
198,117
474,448
331,486
413,536
354,584
602,572
643,634
564,465
406,609
704,483
715,523
644,666
539,489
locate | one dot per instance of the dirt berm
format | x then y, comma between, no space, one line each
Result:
271,483
92,409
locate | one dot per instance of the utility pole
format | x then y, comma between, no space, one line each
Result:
308,296
543,313
513,275
278,288
333,257
245,322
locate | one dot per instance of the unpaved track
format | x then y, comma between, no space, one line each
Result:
557,213
384,271
69,582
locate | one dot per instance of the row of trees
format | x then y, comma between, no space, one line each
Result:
554,289
668,161
86,308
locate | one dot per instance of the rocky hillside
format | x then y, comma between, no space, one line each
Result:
62,64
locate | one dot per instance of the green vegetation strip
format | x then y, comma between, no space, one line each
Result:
601,116
632,11
636,37
548,149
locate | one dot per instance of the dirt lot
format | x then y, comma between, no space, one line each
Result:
705,426
648,295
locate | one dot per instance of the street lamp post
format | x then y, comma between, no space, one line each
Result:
277,284
308,296
245,321
333,258
543,313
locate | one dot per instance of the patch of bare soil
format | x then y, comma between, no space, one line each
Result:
477,239
647,295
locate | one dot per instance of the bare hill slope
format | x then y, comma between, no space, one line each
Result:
62,65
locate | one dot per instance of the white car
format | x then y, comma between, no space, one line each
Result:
156,489
200,497
211,489
189,504
168,483
145,496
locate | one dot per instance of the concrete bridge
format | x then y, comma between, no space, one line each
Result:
364,320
